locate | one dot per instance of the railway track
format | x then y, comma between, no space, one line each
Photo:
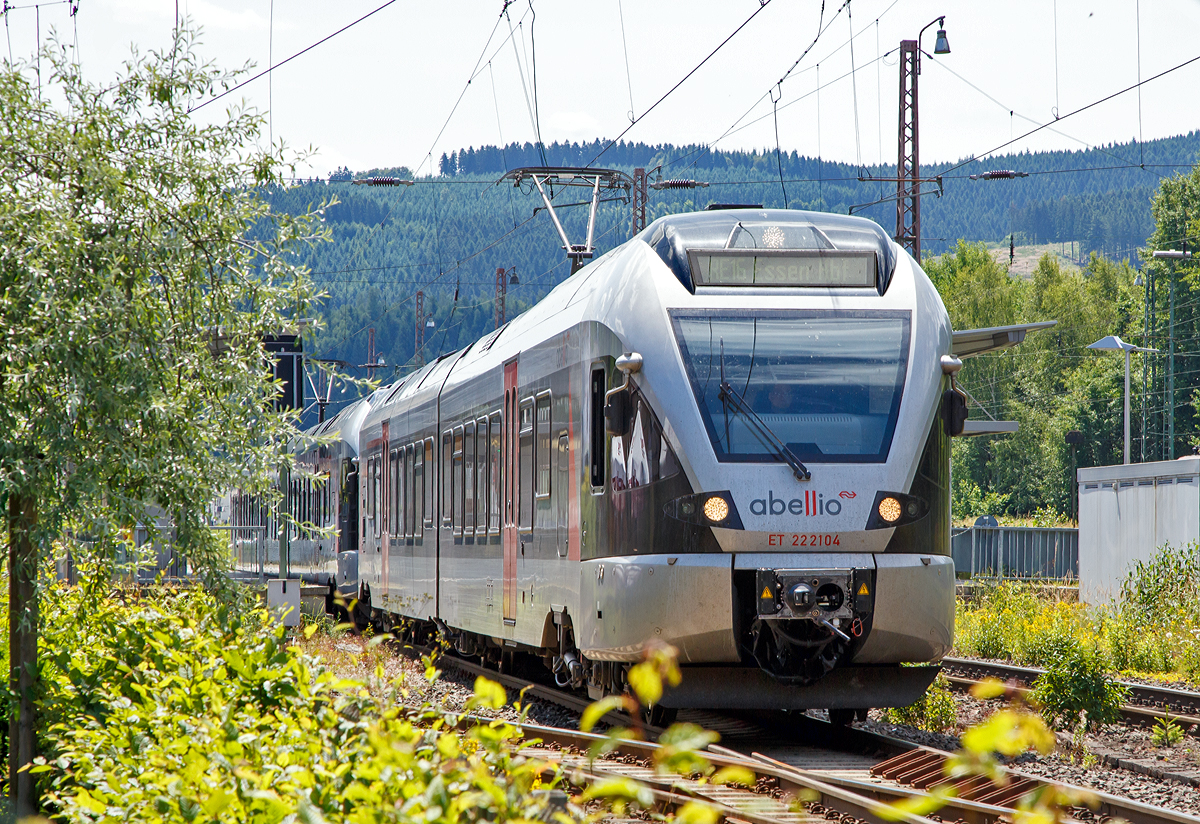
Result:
848,772
1149,705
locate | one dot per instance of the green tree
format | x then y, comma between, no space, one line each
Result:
133,305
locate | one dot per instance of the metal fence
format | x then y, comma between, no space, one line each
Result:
148,559
1016,552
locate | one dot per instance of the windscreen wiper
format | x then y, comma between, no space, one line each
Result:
730,395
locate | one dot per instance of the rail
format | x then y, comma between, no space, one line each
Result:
836,796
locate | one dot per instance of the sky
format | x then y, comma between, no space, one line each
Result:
415,80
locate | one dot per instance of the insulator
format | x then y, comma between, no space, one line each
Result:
677,183
382,181
999,174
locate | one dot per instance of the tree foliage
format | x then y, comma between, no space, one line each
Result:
133,300
1050,384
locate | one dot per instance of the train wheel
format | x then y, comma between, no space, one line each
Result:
659,716
861,713
841,717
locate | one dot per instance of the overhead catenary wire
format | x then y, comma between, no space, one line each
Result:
287,60
734,127
529,102
1081,109
1013,112
625,47
762,5
854,85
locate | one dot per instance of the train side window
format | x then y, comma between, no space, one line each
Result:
526,447
495,473
428,483
599,385
418,519
456,484
544,452
374,493
482,496
447,458
367,488
469,479
406,506
394,493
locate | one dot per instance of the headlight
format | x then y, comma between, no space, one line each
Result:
713,508
716,509
889,509
895,509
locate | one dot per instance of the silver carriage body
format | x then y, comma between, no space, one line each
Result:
489,504
326,494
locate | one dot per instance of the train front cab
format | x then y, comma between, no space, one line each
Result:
814,560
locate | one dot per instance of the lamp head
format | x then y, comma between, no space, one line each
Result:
513,280
943,44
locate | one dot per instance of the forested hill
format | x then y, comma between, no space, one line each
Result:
448,233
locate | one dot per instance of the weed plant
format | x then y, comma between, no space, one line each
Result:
1077,686
175,708
1152,628
937,711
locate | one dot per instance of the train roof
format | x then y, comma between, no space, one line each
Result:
669,238
780,229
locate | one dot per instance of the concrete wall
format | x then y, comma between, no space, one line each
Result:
1126,513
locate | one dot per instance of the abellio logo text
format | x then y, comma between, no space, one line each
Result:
813,503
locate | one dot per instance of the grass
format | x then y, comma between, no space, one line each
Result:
1152,630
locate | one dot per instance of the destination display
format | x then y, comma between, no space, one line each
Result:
832,269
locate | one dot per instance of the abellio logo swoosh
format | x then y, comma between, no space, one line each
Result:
845,493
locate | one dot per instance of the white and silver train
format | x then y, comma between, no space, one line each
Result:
730,434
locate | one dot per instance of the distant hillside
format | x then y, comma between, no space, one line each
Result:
448,233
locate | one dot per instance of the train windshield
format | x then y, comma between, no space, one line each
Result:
827,384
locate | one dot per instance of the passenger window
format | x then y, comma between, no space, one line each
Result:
544,453
447,488
427,481
469,479
376,494
481,448
397,491
409,522
418,491
456,474
525,492
495,473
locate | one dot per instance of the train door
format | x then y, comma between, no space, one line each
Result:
510,539
561,486
382,523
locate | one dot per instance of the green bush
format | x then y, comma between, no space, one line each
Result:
937,711
1078,682
1168,583
172,708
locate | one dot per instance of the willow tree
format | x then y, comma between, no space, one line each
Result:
140,270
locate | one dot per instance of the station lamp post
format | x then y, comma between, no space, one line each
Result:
1113,343
908,165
